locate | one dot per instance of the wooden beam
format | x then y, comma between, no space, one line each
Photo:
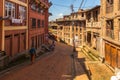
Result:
19,2
15,27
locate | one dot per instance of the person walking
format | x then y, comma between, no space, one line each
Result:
32,54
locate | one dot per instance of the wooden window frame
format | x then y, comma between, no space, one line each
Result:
10,9
33,23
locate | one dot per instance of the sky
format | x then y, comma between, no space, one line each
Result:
60,8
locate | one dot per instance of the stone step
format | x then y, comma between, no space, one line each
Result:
86,49
86,54
94,52
90,55
93,57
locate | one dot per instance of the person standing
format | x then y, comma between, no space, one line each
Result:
32,54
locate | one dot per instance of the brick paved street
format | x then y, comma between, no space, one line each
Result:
58,65
54,66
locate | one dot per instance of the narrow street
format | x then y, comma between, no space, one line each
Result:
86,34
59,65
54,66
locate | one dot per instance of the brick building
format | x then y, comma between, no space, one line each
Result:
72,27
60,29
93,28
101,30
23,24
110,16
53,28
13,26
38,22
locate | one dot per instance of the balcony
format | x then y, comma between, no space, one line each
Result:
94,24
60,19
89,24
67,19
15,22
79,18
97,24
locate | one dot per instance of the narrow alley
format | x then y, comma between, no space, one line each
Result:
59,65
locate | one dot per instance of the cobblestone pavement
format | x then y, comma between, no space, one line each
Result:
54,66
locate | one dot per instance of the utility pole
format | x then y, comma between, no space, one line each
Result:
73,55
73,28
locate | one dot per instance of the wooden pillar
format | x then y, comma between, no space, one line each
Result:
3,32
20,45
12,49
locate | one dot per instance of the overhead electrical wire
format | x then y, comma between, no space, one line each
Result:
81,4
84,3
69,6
63,5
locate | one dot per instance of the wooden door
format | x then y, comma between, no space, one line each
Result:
118,59
8,45
107,53
23,42
113,57
16,44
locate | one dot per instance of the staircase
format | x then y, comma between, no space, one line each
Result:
90,53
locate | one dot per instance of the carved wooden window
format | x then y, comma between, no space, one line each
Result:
95,15
82,14
110,1
109,6
89,17
110,29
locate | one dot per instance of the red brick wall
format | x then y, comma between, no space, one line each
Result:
1,14
33,32
15,40
46,21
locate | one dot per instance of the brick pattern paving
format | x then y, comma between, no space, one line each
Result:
55,66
